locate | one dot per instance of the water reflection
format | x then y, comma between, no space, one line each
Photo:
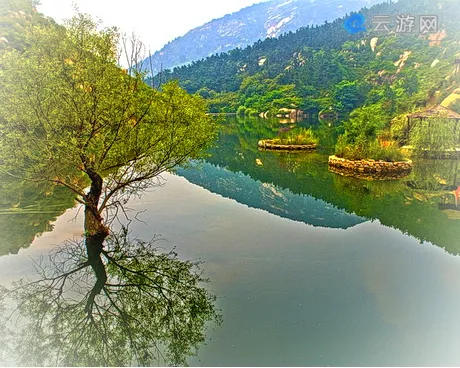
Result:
421,204
27,210
292,294
117,305
266,196
295,186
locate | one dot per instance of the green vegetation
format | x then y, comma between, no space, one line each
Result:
360,138
325,69
71,116
410,204
434,136
373,151
317,68
75,126
297,137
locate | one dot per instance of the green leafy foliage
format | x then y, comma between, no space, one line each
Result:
300,136
433,137
323,69
365,150
349,95
360,138
70,116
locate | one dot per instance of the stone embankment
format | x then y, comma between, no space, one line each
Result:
269,144
370,169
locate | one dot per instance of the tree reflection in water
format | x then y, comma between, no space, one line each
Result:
119,304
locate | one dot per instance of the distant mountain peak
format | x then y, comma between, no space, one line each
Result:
256,22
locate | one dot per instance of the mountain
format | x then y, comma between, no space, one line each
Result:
326,68
242,28
15,17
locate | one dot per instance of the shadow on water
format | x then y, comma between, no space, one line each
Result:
116,304
299,186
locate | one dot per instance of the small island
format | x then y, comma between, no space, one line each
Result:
369,168
366,149
294,140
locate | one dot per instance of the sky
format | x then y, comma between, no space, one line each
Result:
154,22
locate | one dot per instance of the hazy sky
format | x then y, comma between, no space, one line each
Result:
155,22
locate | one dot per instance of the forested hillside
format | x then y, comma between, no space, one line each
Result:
242,28
326,68
15,17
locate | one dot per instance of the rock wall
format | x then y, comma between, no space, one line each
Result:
370,168
383,175
269,145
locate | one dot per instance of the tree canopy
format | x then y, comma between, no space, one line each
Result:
71,116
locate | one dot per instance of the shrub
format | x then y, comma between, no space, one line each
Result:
434,136
241,111
390,153
360,138
297,136
374,151
251,112
364,123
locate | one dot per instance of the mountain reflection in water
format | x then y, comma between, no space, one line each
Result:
299,186
295,186
266,196
344,291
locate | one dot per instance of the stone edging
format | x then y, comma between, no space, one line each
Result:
269,145
372,176
370,166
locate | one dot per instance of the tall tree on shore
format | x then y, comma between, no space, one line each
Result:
71,116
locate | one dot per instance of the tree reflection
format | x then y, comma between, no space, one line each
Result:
119,304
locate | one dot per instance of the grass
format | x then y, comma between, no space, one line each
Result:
371,151
297,137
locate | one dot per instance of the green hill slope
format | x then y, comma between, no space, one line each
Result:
244,27
326,68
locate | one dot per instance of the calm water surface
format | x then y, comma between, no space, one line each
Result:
310,268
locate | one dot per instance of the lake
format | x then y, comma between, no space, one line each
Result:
310,268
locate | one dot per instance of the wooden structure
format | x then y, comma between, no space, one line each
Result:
457,66
438,111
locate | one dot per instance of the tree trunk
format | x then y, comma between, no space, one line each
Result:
95,234
93,220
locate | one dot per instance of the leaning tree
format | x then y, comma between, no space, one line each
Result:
70,115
